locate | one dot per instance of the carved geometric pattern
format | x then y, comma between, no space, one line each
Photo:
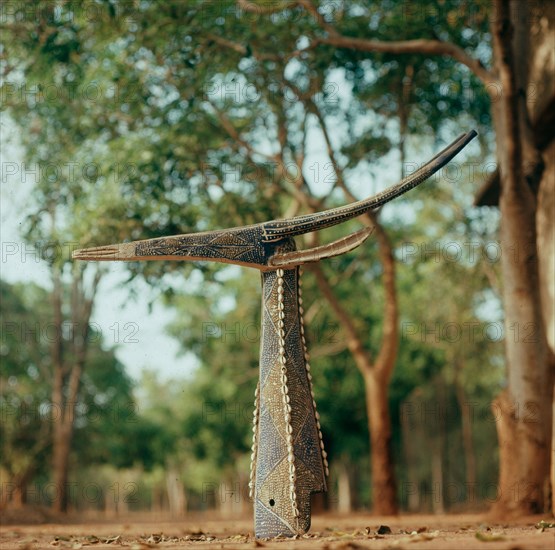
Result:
237,246
272,501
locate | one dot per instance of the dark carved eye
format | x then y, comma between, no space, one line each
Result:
272,502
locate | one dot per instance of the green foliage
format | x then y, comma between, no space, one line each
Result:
106,424
24,430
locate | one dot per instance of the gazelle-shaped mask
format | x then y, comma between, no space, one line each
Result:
289,462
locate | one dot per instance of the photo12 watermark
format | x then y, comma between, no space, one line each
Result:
434,413
66,172
49,332
17,412
470,332
80,494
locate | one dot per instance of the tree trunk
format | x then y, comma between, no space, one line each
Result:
19,493
525,406
157,505
542,117
67,377
545,224
546,248
63,417
176,493
466,425
384,497
59,430
440,459
524,428
60,464
437,476
354,479
553,456
412,483
343,488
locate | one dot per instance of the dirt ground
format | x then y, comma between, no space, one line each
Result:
329,532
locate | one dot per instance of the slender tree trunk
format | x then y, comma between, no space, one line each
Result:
466,425
67,377
18,497
343,488
354,479
59,430
62,446
412,484
19,493
176,493
384,495
524,408
437,477
157,505
64,406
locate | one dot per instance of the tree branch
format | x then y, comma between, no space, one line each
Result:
418,46
57,343
235,136
236,47
313,10
251,7
243,50
86,311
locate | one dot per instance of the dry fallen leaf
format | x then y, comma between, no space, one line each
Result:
488,538
155,538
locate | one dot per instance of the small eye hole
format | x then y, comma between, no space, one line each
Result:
272,502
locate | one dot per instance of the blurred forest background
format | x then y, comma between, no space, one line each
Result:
432,355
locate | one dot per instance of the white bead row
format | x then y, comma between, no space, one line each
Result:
285,394
254,440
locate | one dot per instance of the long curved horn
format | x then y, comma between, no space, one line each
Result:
278,229
254,245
